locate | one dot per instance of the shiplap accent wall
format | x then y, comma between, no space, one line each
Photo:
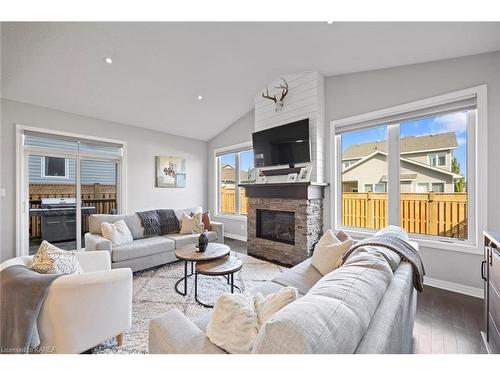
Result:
305,99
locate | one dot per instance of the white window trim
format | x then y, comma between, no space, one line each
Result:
437,155
22,194
477,185
244,146
66,169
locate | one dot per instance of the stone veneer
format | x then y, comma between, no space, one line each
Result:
308,229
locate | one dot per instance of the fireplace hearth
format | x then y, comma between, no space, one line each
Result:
278,226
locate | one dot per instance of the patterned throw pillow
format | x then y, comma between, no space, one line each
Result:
191,224
51,259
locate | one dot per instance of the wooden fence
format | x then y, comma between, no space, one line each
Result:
442,214
228,201
102,197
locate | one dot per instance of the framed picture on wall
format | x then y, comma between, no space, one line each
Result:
170,172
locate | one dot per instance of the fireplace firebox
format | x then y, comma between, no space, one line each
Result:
278,226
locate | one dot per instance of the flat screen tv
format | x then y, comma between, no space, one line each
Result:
282,145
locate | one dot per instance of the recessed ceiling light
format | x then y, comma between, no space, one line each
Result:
329,22
200,97
108,60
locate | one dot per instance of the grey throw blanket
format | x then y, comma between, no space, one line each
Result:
22,293
407,253
150,222
168,221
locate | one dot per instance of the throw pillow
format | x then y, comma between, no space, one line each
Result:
51,259
237,318
272,303
328,252
205,219
191,224
395,231
117,232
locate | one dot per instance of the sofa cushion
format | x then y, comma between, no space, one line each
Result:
180,211
142,247
133,222
303,276
334,315
182,240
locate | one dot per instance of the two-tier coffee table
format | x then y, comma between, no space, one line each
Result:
190,254
226,267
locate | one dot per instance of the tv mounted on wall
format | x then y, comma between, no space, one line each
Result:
283,145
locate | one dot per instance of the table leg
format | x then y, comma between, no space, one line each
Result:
196,286
232,283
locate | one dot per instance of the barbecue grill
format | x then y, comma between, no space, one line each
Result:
58,218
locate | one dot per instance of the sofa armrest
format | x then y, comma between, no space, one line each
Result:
219,229
173,333
81,311
95,242
92,261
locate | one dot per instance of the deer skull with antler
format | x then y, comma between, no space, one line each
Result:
278,102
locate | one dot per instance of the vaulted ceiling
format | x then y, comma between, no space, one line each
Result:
160,69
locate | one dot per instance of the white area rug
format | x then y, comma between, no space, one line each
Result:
154,294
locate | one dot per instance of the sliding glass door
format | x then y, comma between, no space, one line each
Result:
65,180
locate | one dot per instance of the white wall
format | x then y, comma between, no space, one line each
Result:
357,93
239,132
143,145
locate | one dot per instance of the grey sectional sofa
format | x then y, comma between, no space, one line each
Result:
143,252
367,306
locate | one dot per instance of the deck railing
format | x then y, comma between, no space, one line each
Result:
102,197
440,214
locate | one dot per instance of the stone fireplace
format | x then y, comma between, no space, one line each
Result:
285,220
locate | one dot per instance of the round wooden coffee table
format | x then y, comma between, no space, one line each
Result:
226,267
191,254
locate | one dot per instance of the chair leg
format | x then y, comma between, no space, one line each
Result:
119,339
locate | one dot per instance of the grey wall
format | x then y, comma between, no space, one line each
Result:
357,93
240,131
143,145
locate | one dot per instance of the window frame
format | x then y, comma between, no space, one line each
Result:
43,164
477,162
235,149
437,155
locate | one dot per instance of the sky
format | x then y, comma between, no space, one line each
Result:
455,122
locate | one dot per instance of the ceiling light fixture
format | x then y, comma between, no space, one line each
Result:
200,97
108,60
329,22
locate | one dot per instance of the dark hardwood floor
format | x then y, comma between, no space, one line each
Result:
446,322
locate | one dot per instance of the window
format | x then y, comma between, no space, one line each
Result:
233,168
417,167
437,187
437,160
54,167
368,146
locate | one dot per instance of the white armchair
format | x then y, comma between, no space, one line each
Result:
82,311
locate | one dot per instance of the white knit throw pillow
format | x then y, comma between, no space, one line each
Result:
51,259
117,232
328,252
237,318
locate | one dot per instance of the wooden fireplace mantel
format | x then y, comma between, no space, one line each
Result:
286,190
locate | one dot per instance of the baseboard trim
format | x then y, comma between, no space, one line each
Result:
236,237
454,287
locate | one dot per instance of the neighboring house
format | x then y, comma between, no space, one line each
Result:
425,165
50,170
228,175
